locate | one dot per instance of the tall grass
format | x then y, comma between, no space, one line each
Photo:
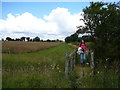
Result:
43,69
101,80
107,74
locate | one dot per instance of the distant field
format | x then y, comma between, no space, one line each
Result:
26,47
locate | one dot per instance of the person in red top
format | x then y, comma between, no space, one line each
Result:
83,55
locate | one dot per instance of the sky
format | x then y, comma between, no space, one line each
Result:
39,9
47,20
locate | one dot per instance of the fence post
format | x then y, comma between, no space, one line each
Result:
66,65
8,51
74,59
92,65
71,61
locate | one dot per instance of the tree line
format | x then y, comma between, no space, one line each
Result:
75,38
36,39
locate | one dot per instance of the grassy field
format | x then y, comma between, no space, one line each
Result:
43,69
26,47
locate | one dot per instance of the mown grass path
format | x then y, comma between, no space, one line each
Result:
82,73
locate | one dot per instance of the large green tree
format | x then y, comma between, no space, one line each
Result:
103,21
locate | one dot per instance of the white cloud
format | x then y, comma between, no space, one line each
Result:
58,24
66,21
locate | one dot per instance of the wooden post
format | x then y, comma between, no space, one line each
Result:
66,65
71,62
75,57
74,60
8,51
92,65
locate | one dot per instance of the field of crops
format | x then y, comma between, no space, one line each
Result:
26,47
42,69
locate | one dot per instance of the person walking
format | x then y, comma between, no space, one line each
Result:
83,55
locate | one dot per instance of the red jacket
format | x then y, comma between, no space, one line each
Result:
83,46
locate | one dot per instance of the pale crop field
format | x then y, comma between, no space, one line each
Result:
26,47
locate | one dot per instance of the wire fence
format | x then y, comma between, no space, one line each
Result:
71,61
99,76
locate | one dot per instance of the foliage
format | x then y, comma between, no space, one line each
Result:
36,39
9,39
28,38
22,39
72,38
87,38
75,43
102,19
